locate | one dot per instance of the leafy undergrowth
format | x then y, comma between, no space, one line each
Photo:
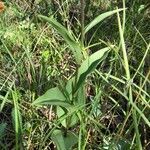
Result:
75,81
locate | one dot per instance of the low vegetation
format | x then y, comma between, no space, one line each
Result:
75,75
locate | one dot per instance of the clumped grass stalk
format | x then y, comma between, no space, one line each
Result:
129,87
17,121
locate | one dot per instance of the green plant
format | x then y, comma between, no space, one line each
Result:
72,95
102,105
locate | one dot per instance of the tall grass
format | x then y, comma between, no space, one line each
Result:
74,78
129,88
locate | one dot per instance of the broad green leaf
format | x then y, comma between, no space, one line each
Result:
62,141
52,97
60,113
89,65
75,46
81,95
100,18
70,86
70,121
57,138
70,140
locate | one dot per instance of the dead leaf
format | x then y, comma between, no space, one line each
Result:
1,7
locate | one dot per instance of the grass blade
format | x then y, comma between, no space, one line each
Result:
100,18
17,120
129,90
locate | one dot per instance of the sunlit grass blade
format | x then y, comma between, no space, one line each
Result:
17,121
142,61
100,18
9,52
5,97
129,90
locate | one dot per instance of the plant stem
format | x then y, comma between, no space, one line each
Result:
82,2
